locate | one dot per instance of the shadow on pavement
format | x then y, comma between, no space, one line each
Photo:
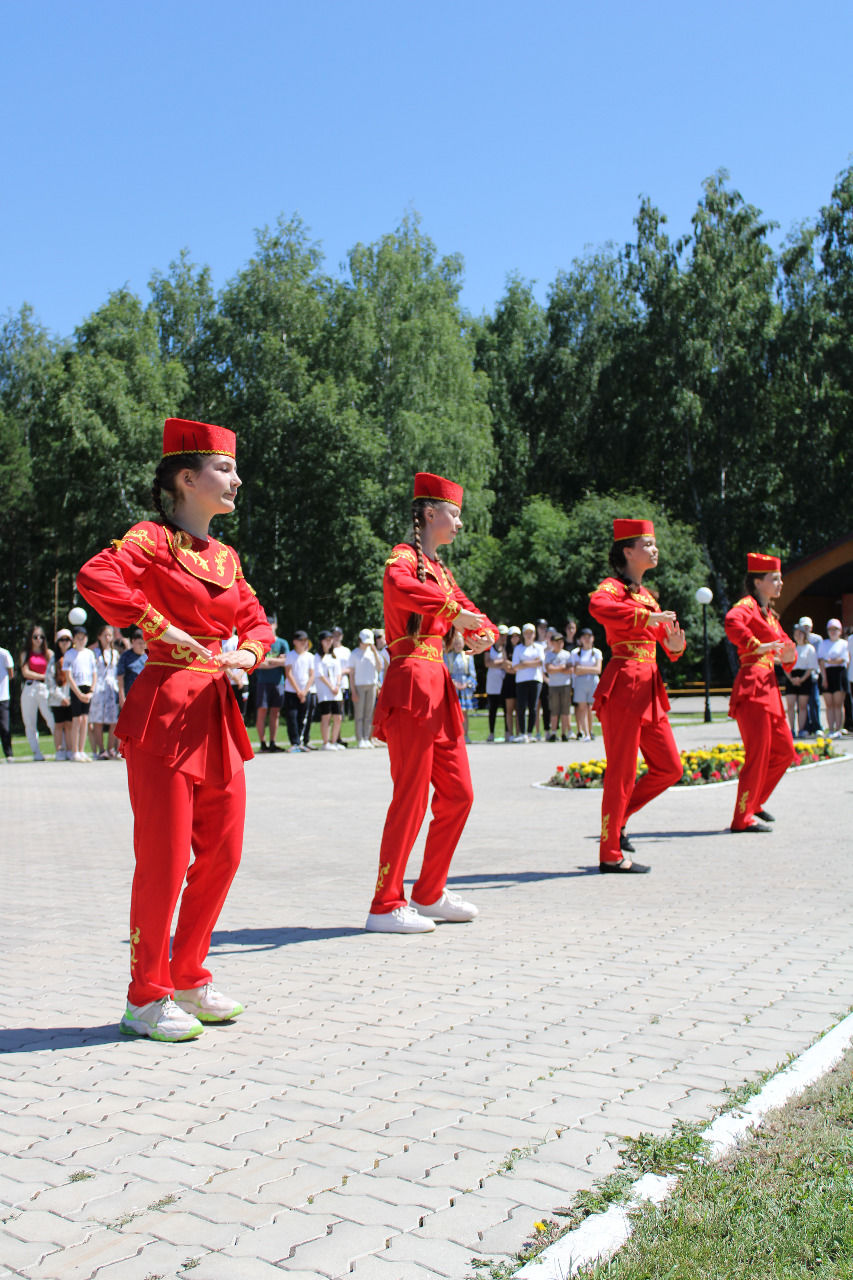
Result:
32,1039
269,939
500,878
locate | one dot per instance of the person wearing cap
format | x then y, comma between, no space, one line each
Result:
419,717
586,672
544,632
298,684
558,665
364,667
753,628
630,700
798,682
833,656
181,731
528,661
269,688
813,720
59,697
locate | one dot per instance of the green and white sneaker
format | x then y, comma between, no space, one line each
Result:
160,1020
207,1004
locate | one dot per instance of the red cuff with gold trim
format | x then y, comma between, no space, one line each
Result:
152,623
256,648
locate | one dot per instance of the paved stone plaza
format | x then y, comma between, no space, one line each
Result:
392,1107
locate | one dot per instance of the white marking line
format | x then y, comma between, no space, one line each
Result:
698,786
602,1234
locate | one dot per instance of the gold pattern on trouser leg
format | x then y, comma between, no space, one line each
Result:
741,804
605,825
383,871
134,938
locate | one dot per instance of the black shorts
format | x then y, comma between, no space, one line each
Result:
62,715
79,708
331,708
836,680
268,696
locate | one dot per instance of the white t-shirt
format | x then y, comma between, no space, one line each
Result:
527,653
342,653
806,658
7,666
81,664
327,667
363,663
495,676
559,679
302,667
836,649
585,658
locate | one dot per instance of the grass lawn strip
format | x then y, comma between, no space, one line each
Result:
709,1163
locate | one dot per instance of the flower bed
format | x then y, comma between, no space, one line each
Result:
718,764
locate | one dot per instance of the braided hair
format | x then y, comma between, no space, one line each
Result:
419,506
167,472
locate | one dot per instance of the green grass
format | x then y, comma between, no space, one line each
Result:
778,1209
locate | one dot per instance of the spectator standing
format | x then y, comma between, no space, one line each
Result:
343,655
528,661
586,670
513,640
7,670
34,660
464,677
364,680
814,724
383,653
299,680
559,668
130,665
797,683
833,657
59,698
79,663
104,707
543,710
327,684
496,676
269,688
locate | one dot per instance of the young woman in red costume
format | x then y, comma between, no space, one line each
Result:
756,702
419,716
631,700
181,730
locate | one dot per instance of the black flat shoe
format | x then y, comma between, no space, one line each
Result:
754,828
625,842
764,815
620,869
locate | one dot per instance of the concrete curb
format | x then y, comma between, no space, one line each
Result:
602,1234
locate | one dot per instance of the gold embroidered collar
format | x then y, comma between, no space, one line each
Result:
214,563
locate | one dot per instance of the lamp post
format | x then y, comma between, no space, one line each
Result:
704,596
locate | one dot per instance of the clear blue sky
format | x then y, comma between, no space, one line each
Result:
521,132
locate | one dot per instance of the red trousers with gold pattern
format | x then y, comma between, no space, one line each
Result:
768,751
418,757
174,816
624,794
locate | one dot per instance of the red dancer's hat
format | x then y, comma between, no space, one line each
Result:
623,529
758,563
437,488
182,436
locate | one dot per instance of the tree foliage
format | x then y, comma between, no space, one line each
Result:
705,380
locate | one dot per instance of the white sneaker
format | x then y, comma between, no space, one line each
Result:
400,920
328,746
159,1020
449,907
207,1004
363,744
60,754
81,757
339,746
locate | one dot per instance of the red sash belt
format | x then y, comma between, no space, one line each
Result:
161,654
635,650
430,648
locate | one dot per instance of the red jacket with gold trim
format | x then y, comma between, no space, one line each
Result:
755,683
180,707
417,680
631,678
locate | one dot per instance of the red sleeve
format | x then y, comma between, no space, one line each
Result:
404,590
253,631
460,598
113,581
624,618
